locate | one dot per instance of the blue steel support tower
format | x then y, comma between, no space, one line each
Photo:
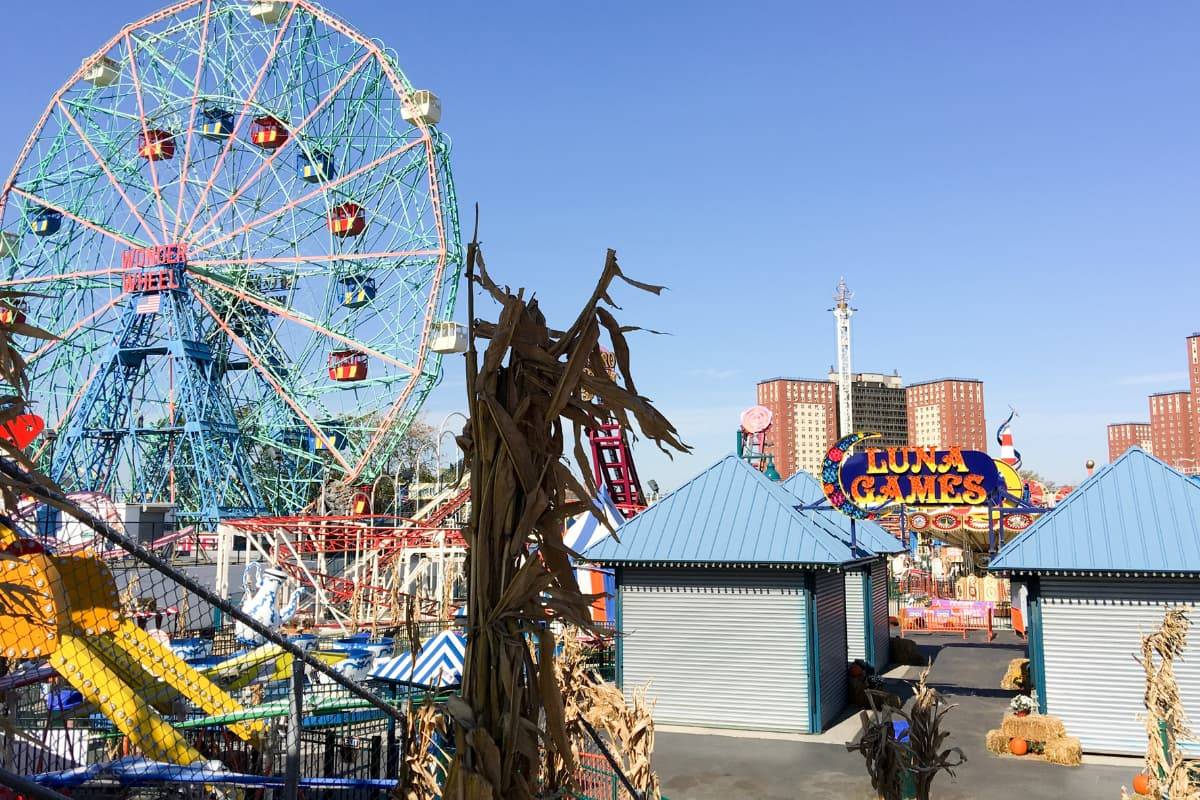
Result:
193,453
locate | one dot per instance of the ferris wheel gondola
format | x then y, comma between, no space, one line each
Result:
286,197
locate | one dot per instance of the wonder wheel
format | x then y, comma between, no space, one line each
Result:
238,219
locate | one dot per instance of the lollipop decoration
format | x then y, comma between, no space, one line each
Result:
831,479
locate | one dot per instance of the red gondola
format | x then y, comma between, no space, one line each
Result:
347,365
156,145
268,133
347,219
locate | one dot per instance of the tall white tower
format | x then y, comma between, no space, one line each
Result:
842,313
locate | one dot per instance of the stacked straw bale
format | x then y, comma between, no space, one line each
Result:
1043,729
1017,675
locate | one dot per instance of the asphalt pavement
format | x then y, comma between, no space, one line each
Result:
706,766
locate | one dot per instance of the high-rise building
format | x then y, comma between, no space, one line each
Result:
1124,435
946,413
804,422
1172,428
1193,346
808,414
877,405
1174,422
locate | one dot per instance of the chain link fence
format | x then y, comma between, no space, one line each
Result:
121,665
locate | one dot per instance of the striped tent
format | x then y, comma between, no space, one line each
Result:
586,529
597,581
440,663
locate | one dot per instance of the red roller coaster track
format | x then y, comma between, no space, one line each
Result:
385,535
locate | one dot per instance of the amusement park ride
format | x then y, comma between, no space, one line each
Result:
238,222
241,228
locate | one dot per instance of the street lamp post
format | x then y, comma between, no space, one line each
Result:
442,431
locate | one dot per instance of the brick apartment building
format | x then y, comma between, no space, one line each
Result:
1173,433
1172,427
804,422
1124,435
1193,346
947,412
938,413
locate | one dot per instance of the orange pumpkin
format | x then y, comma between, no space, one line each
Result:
856,671
1018,747
1141,783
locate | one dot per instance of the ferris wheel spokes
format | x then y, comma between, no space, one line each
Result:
317,259
304,198
65,336
270,378
202,55
87,223
59,277
294,135
137,91
292,315
268,61
83,137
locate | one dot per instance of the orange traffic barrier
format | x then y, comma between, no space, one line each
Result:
946,620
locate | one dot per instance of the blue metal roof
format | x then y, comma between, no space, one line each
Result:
870,536
728,514
1135,515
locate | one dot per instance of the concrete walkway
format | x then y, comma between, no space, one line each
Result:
694,766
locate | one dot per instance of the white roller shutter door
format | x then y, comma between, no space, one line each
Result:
718,648
1091,632
856,640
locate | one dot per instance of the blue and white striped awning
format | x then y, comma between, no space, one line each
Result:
586,529
440,663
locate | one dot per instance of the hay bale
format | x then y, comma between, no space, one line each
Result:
996,741
1033,728
1064,750
1017,674
904,651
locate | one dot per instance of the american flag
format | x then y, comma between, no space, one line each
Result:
149,304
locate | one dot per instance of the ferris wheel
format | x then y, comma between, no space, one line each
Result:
239,221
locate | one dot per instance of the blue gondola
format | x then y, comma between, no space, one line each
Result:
314,169
304,439
44,221
335,439
216,124
357,291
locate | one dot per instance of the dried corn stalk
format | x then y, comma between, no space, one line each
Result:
522,394
630,728
1166,722
574,681
422,759
922,757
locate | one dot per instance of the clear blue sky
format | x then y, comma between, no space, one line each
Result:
1012,189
